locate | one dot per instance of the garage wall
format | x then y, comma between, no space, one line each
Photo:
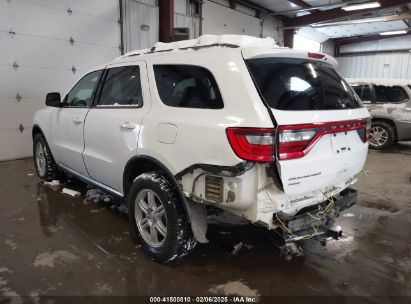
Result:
36,57
218,19
392,65
399,43
141,25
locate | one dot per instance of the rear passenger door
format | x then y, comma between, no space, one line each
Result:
113,124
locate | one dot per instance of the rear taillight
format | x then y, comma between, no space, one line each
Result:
297,140
293,142
253,144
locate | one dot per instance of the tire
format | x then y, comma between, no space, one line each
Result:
43,159
162,229
382,135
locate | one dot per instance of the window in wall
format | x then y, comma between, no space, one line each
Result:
80,95
187,86
305,44
390,94
122,87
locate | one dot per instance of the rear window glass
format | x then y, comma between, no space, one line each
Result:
390,94
187,86
299,84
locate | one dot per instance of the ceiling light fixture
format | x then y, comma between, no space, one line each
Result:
361,6
393,33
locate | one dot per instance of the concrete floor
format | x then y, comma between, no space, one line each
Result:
52,244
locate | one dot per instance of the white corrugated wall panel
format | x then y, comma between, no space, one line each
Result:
392,65
192,23
138,14
40,45
219,19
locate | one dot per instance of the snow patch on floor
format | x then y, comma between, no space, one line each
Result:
6,291
11,244
5,269
71,192
240,246
103,289
51,258
348,215
234,288
123,208
97,196
54,183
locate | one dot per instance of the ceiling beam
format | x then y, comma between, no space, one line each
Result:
336,13
372,52
358,39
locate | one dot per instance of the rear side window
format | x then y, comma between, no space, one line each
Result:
390,94
122,87
187,86
297,85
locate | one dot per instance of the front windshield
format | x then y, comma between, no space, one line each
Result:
295,84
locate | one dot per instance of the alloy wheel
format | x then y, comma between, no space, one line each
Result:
150,217
378,136
40,159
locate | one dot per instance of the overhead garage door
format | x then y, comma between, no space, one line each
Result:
46,46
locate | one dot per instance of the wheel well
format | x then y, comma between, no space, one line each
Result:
36,130
388,121
140,164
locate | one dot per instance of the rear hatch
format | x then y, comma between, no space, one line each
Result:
321,137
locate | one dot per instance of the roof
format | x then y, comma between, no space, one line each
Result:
229,41
381,81
251,47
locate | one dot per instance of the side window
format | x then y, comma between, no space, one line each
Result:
81,94
187,86
390,94
366,94
122,87
363,91
357,88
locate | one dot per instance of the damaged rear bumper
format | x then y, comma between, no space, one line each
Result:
318,222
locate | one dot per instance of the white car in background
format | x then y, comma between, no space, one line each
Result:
389,102
228,122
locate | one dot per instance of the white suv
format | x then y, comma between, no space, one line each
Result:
229,122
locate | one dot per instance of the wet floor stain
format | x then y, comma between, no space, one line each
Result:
67,245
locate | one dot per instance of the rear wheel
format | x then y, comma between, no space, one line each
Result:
382,135
43,160
158,220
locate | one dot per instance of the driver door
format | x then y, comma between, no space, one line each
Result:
68,123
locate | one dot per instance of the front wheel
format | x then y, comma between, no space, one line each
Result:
43,160
382,135
158,220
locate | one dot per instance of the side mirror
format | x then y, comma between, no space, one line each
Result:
53,100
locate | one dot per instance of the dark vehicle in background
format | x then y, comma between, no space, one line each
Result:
389,103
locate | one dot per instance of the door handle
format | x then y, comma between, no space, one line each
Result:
128,126
77,121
